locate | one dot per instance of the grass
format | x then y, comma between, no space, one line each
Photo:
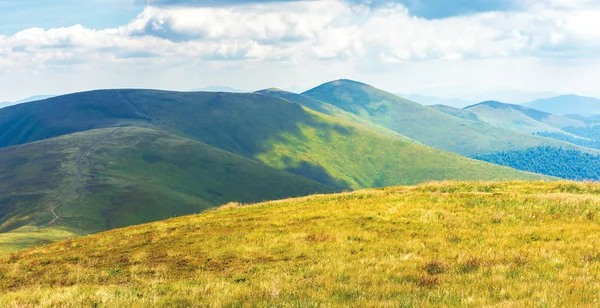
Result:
436,244
136,176
424,124
521,118
331,110
355,158
457,112
31,236
200,150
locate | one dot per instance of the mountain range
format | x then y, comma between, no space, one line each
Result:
26,100
86,162
92,161
567,104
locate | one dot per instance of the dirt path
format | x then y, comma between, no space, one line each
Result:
78,175
79,157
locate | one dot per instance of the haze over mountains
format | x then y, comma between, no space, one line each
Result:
26,100
568,104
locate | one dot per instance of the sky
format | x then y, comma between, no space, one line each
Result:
435,47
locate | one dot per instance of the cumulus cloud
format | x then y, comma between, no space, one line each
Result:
298,31
430,9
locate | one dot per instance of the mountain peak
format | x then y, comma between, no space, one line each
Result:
492,104
270,90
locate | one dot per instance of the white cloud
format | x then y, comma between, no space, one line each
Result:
310,32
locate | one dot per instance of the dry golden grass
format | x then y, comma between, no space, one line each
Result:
438,244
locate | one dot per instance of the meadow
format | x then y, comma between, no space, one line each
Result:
506,244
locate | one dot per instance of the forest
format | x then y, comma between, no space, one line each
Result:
558,162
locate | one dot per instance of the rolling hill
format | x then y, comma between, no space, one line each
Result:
262,127
438,244
434,100
424,124
133,175
567,104
26,100
329,109
522,119
456,112
146,155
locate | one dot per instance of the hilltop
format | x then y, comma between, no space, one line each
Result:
457,112
520,118
449,244
133,176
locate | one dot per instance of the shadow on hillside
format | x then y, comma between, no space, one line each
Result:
245,124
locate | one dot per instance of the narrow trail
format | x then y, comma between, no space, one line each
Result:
87,150
78,174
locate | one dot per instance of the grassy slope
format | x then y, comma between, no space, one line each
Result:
510,118
133,175
329,109
438,244
63,115
520,118
137,175
289,137
457,112
421,123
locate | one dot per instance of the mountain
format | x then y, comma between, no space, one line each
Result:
107,178
219,89
421,123
110,158
456,112
522,119
437,244
467,93
257,126
594,118
567,104
328,109
434,100
26,100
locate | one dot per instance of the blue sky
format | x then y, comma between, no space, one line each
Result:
16,15
440,47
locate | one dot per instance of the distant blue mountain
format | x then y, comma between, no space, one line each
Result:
26,100
219,89
434,100
567,104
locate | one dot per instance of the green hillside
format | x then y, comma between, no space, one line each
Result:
181,153
329,109
421,123
439,244
134,176
280,134
457,112
522,119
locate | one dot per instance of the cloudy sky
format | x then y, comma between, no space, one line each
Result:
427,46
